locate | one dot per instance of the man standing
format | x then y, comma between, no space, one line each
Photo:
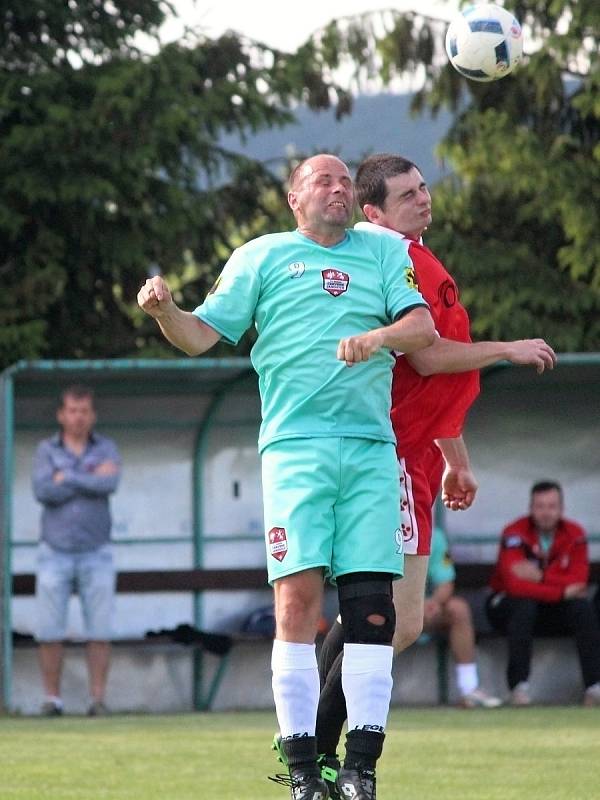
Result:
74,473
540,587
429,407
323,299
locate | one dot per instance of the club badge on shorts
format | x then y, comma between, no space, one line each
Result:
278,545
335,281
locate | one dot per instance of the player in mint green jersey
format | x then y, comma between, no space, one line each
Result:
329,305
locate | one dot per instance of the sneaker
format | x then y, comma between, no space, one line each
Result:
478,698
303,786
97,709
51,709
520,696
592,695
356,784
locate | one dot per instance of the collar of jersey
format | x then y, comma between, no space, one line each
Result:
324,246
370,226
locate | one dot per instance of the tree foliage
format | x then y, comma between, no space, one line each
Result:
110,167
519,220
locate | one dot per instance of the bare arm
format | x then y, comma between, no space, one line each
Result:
446,355
459,485
413,331
181,328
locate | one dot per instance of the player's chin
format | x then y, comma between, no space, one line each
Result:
339,215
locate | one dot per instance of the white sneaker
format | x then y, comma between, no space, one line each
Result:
478,698
520,695
592,695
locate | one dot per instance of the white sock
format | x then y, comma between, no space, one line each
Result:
467,679
52,698
295,687
367,684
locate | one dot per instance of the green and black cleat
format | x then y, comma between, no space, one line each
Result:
303,785
328,766
355,784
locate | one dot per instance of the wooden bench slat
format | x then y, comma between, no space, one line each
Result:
468,576
178,580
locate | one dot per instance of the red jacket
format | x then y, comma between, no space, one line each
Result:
565,563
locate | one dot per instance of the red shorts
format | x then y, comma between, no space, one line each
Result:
421,476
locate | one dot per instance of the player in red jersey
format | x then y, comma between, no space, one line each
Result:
431,393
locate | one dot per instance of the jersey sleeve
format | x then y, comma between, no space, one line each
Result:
440,568
230,305
399,286
572,565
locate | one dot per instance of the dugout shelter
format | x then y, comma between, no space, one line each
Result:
190,491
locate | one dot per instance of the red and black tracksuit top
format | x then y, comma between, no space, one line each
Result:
565,563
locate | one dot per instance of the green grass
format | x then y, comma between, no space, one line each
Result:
430,754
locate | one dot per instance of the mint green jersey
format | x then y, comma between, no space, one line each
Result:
303,298
440,568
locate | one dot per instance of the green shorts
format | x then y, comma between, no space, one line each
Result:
332,503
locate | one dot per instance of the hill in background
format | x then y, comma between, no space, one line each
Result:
378,123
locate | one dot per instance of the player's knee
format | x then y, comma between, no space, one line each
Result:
458,610
367,611
408,630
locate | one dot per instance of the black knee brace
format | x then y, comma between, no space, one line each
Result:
361,596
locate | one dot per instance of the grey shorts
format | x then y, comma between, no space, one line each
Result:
91,575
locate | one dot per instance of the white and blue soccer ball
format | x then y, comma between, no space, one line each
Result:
484,42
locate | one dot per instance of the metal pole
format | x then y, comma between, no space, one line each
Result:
6,478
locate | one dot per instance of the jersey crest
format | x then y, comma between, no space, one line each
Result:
335,281
278,544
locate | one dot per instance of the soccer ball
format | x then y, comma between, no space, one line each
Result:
484,42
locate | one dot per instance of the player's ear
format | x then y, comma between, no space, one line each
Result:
292,199
372,213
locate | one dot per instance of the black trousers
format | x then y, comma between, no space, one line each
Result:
521,618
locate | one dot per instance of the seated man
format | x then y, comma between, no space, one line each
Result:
540,587
450,614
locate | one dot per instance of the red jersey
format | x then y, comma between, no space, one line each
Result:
434,406
565,563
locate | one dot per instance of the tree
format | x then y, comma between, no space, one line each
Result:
110,167
519,220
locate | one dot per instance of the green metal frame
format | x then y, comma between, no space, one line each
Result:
203,698
106,368
7,405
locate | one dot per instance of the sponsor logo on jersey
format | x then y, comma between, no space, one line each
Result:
215,286
278,545
448,293
335,281
410,278
513,541
296,269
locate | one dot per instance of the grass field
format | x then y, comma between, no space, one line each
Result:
430,754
